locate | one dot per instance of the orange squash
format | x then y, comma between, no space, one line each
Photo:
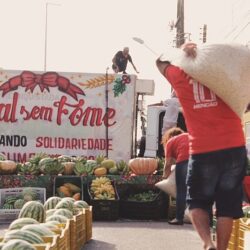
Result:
143,166
100,171
64,191
7,167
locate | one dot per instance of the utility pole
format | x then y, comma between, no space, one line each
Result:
180,35
204,34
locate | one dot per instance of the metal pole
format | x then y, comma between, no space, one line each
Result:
136,122
180,39
107,109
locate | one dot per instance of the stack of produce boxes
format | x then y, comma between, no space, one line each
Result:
52,225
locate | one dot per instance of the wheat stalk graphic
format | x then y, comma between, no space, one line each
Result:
97,82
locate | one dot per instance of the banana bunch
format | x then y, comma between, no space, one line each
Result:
100,158
37,157
102,189
122,167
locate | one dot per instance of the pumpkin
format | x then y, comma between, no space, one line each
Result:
7,167
143,166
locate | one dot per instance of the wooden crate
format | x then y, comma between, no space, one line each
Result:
52,240
64,238
243,227
81,229
89,221
45,246
233,241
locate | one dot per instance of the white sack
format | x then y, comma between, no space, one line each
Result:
187,218
223,68
168,185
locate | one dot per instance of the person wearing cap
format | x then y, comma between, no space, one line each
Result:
120,61
217,162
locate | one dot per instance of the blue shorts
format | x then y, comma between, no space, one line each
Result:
217,177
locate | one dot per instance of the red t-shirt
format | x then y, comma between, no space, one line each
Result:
178,148
211,124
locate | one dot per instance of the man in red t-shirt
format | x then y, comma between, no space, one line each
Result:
217,150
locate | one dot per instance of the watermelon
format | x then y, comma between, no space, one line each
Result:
51,225
66,203
51,202
59,218
19,223
39,230
81,204
33,209
19,203
22,235
50,212
17,245
64,212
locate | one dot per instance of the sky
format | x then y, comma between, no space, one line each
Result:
84,35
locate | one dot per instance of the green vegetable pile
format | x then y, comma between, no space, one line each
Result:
144,196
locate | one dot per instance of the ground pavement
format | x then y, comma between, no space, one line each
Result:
142,235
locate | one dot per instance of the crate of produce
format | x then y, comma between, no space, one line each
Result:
68,186
73,238
81,229
244,226
63,242
233,241
77,231
52,240
104,199
45,246
12,200
88,223
143,202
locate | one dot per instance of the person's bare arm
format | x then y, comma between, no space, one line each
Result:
135,68
162,65
167,167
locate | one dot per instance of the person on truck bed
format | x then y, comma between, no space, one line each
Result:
120,61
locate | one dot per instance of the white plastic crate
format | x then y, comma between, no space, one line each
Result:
7,215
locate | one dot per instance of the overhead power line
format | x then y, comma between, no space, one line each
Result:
241,31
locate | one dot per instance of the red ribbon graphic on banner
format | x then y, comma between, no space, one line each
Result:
30,80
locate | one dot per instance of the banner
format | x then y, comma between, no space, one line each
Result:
61,113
